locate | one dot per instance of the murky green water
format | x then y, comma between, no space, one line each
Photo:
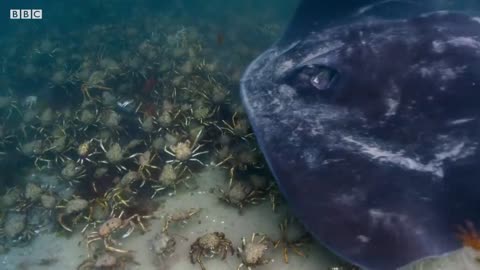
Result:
119,118
124,145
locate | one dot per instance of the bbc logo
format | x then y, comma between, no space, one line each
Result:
26,14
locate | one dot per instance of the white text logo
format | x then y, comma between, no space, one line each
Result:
26,14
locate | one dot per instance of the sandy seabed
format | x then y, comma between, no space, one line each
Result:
70,252
214,216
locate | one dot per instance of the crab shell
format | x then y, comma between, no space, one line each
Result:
109,226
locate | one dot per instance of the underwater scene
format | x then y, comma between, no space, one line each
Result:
125,144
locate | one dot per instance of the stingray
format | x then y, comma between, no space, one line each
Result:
368,114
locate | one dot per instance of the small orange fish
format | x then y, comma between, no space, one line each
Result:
469,235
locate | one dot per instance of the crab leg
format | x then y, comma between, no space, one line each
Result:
110,248
127,234
60,221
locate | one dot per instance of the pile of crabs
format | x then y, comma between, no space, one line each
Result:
109,130
252,252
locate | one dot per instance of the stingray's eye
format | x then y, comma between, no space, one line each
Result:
312,78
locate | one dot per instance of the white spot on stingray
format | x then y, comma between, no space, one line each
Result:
448,74
442,71
464,42
476,19
454,151
435,13
310,158
328,47
372,6
426,72
460,121
285,66
346,199
379,216
398,159
447,151
392,102
363,238
349,198
392,106
438,46
287,91
330,161
276,104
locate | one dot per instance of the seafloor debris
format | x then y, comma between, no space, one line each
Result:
122,115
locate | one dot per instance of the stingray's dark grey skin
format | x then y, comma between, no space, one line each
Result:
370,123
